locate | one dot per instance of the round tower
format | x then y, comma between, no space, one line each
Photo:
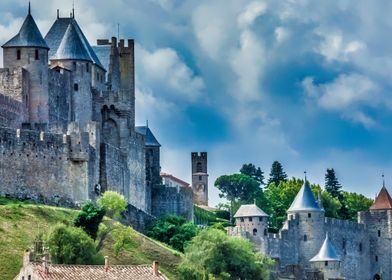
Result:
327,261
28,50
309,226
253,222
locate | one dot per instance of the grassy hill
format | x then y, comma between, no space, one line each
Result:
21,222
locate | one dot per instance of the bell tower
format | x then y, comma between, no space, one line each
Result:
200,178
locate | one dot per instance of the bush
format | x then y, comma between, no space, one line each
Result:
113,203
89,219
123,239
71,245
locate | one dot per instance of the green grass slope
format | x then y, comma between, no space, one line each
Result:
21,222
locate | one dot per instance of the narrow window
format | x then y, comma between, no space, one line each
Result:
87,67
199,178
379,233
74,66
250,219
305,237
309,215
260,219
29,277
344,244
254,231
76,87
36,55
242,219
97,76
360,247
265,232
376,258
40,78
326,263
18,54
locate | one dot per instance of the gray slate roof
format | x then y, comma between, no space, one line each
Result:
250,210
28,36
305,200
148,136
327,252
103,54
71,46
57,32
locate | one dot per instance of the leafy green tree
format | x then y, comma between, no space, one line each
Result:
123,238
331,205
113,203
174,231
277,174
71,245
89,219
355,202
253,172
332,184
214,255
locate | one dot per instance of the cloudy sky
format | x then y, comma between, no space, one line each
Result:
304,82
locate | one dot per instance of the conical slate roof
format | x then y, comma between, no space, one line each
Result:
28,36
305,200
327,252
71,46
149,137
383,200
250,210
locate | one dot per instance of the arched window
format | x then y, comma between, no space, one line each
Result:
254,231
18,54
305,238
76,87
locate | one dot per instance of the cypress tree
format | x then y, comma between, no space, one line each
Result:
277,174
332,184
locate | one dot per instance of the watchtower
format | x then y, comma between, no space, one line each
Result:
200,178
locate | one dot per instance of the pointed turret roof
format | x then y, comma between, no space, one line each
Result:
305,200
71,46
383,200
149,137
327,252
250,210
28,36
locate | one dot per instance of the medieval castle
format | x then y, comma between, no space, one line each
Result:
312,246
67,124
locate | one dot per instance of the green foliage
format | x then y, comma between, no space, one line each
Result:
253,172
70,245
354,203
214,255
174,231
277,174
89,219
237,186
331,205
113,203
123,239
204,217
332,184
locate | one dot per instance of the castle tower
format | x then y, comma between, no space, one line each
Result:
378,221
29,50
200,178
253,222
310,230
327,261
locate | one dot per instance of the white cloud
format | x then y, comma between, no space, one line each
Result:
251,13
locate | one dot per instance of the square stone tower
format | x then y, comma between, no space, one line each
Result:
200,178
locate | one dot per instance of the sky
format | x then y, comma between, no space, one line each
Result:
304,82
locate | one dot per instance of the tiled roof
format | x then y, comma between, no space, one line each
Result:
96,272
383,200
28,36
149,137
175,179
250,210
305,200
71,46
56,34
327,252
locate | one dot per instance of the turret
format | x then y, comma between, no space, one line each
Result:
327,260
310,223
200,178
28,50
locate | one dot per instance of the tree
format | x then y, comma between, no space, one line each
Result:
113,203
253,172
355,203
89,219
331,205
123,238
214,255
277,174
71,245
174,231
332,184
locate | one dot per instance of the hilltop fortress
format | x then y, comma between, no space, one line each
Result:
312,246
67,124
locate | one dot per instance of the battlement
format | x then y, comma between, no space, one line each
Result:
202,155
344,225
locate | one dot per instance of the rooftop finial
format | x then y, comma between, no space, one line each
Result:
383,180
73,9
147,123
305,176
29,8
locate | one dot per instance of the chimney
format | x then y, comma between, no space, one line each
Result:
27,258
106,263
45,264
155,268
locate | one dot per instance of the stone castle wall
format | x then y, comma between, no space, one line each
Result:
43,167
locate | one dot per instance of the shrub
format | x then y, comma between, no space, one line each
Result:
113,203
89,219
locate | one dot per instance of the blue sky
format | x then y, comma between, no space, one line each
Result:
304,82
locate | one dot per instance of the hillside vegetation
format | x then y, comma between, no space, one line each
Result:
21,222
